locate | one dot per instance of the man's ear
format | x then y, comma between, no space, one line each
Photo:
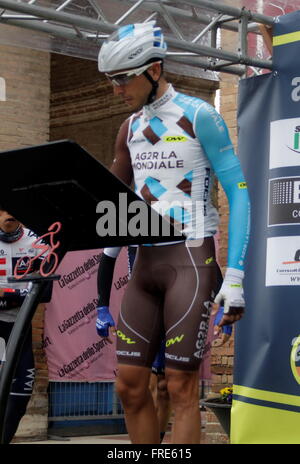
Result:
155,71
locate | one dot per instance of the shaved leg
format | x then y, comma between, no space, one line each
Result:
158,388
140,416
183,387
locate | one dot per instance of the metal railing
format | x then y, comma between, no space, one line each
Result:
190,30
83,401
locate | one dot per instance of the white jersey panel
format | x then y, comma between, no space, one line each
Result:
10,253
171,171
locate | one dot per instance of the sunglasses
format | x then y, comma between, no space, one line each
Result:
123,78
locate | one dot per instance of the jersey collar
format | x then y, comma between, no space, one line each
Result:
151,109
10,237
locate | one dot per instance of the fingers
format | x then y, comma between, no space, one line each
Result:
214,308
113,331
109,334
217,329
112,334
218,298
232,316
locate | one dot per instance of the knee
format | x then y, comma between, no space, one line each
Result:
183,388
132,394
162,389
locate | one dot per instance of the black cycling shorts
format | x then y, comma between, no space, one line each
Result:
168,296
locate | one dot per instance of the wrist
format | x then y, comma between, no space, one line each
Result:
103,308
233,275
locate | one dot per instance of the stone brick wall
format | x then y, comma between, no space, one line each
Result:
222,358
24,121
25,113
84,109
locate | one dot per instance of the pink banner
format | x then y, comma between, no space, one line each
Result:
73,348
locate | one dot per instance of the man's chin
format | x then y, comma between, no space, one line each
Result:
134,106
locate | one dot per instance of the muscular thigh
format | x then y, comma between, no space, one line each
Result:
187,307
169,295
140,324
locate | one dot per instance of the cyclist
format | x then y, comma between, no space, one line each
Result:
16,245
172,285
105,324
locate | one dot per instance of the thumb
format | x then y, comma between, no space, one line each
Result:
217,330
218,298
113,330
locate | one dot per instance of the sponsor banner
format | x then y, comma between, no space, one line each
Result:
285,143
267,355
73,348
284,201
283,261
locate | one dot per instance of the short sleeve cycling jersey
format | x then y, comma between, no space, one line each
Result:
176,145
14,293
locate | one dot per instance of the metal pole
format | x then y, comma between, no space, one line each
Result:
207,28
170,21
14,348
243,43
63,5
205,64
23,17
67,18
103,27
185,14
233,58
38,25
133,8
232,11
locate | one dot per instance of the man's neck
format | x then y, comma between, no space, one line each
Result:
162,88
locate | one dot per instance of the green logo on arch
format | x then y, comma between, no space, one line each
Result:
295,359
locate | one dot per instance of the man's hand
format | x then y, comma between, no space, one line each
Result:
223,333
232,294
105,324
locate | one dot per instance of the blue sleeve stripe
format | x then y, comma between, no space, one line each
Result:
188,104
239,219
214,138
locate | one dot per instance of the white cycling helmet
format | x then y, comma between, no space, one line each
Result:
132,46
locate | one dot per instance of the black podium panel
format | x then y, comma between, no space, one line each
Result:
61,182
